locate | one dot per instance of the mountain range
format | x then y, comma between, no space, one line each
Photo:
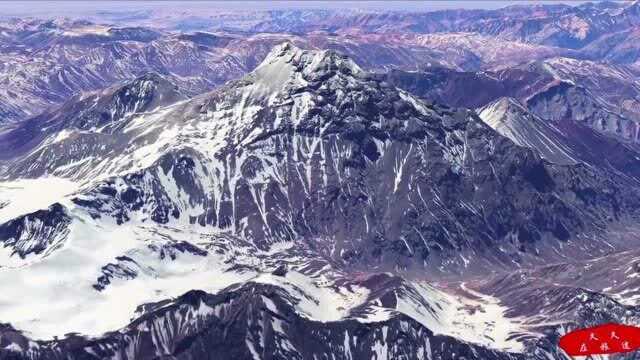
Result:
445,185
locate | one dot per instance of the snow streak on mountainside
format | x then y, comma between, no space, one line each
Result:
271,196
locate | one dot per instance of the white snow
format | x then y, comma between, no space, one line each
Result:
376,314
480,321
85,30
25,196
56,294
13,347
318,300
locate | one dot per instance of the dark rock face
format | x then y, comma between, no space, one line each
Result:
37,233
206,39
463,89
125,268
565,101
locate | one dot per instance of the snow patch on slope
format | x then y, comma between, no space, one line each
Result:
57,294
318,300
478,318
25,196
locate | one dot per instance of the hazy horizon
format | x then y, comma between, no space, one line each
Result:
81,8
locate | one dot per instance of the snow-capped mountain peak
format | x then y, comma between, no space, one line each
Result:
289,67
309,61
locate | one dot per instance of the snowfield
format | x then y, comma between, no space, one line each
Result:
25,196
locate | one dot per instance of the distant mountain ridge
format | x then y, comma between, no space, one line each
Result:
78,55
